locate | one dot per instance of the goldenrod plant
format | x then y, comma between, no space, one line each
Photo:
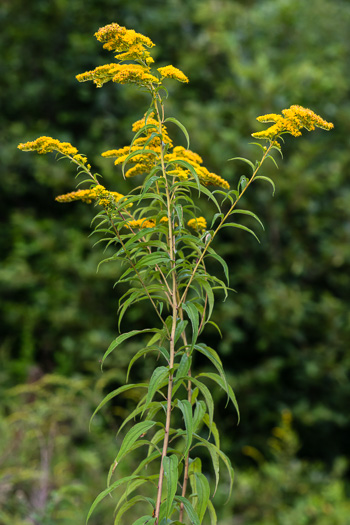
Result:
158,232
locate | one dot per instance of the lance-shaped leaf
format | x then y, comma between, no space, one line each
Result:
123,337
131,436
199,412
225,386
201,490
240,227
213,429
115,393
144,351
212,513
183,369
107,491
170,465
249,162
216,453
262,177
247,212
193,315
223,263
128,505
191,513
204,390
181,126
186,409
213,356
156,381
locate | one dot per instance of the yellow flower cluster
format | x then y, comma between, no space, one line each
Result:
198,224
143,162
47,144
136,52
144,223
204,175
119,73
172,72
130,46
98,192
292,121
117,38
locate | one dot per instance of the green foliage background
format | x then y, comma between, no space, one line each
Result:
286,332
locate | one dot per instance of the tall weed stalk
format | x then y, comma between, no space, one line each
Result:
159,235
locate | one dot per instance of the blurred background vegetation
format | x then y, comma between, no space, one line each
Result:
286,333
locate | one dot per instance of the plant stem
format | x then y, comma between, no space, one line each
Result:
171,244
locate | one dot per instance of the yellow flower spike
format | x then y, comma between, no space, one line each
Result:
98,192
119,73
117,38
172,72
292,121
47,145
141,223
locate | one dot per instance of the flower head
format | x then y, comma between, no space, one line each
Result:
98,193
118,38
119,73
172,72
292,121
198,224
47,144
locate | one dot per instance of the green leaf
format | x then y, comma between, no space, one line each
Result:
213,356
212,513
213,429
144,351
249,162
247,212
241,227
180,328
181,126
223,263
157,378
123,337
202,493
262,177
170,465
107,491
204,390
215,452
225,386
115,393
193,315
131,436
208,290
186,409
128,505
155,406
199,413
191,513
